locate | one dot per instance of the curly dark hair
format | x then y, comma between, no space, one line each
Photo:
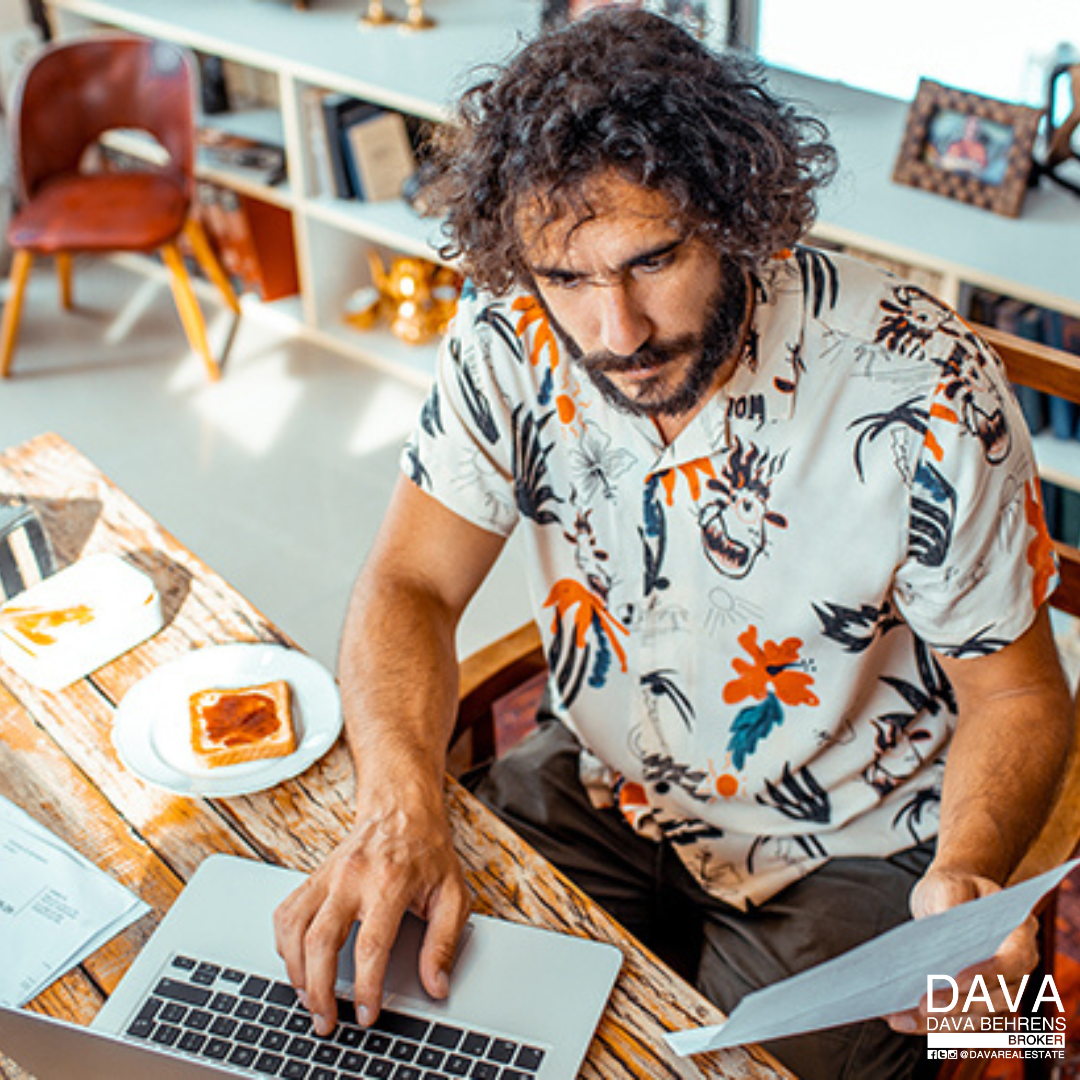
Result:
629,91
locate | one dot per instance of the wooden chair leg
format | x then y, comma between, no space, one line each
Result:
204,253
9,328
188,306
64,270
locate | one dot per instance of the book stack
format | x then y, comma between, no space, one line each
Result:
359,151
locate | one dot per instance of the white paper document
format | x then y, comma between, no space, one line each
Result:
884,975
56,907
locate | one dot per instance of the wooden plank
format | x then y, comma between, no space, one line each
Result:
1030,363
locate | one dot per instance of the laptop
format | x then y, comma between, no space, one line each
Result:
208,997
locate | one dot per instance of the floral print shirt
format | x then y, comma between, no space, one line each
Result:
741,626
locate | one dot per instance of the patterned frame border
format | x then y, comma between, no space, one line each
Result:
913,169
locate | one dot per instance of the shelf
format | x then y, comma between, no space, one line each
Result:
392,223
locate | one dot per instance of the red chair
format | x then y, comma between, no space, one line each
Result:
71,94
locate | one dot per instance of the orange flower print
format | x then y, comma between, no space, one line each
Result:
544,337
772,665
1040,550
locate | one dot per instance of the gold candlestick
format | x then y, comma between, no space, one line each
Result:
377,15
416,19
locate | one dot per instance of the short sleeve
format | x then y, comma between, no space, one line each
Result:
979,560
461,451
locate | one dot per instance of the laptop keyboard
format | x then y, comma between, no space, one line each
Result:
230,1017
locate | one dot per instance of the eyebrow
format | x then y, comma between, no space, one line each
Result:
649,255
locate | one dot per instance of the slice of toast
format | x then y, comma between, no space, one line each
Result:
246,723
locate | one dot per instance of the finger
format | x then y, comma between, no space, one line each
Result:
911,1022
291,920
375,939
325,935
447,919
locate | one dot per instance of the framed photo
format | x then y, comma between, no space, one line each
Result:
694,15
974,149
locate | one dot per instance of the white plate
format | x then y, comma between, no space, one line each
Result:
152,728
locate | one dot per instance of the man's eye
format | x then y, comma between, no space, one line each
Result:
562,281
654,266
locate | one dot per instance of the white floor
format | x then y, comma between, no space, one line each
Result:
277,476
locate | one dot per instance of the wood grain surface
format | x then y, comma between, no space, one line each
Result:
57,762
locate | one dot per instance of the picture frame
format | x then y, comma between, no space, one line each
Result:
975,149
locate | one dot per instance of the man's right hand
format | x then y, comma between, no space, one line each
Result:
398,856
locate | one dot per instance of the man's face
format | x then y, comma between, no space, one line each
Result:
644,307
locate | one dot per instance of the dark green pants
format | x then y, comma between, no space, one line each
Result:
725,952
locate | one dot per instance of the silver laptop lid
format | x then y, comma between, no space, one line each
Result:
531,985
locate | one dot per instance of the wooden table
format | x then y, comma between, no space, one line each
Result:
58,764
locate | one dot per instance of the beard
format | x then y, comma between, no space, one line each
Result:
710,348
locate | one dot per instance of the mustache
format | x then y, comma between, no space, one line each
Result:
651,356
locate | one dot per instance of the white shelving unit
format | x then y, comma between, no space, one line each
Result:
1033,258
326,49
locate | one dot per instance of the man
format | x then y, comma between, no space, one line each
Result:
782,533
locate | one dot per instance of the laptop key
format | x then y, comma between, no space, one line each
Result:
206,974
406,1072
457,1065
269,1064
403,1050
273,1016
223,1003
322,1073
352,1063
484,1070
529,1058
475,1044
300,1048
412,1027
254,986
139,1028
348,1036
242,1055
378,1068
150,1008
218,1049
281,994
274,1040
376,1043
445,1036
326,1054
248,1033
233,976
295,1070
248,1009
199,1019
223,1026
502,1050
165,1034
173,1012
299,1023
431,1058
184,992
184,963
191,1042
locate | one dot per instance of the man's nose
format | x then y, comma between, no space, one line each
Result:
624,325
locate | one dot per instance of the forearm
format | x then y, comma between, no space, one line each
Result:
398,676
1013,733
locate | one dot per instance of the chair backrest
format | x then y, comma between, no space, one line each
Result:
77,89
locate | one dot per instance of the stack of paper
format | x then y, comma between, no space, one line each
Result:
56,907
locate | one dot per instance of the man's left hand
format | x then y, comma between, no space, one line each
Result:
1016,957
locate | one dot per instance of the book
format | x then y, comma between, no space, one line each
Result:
341,112
379,155
320,171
